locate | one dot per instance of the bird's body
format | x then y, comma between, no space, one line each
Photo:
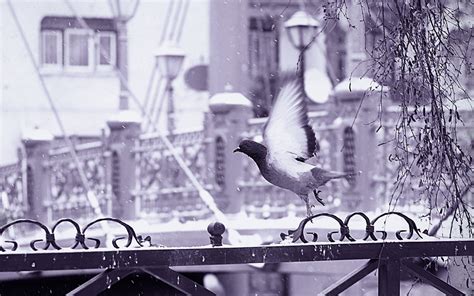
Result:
286,172
289,141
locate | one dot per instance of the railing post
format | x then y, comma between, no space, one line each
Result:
389,277
37,143
231,112
124,131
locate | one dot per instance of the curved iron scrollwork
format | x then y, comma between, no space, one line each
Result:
345,232
80,239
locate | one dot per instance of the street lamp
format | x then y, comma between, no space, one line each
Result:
301,28
169,59
123,11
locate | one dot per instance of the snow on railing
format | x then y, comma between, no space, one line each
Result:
161,183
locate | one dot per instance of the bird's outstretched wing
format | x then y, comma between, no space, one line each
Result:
287,129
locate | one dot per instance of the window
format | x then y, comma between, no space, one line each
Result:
336,57
78,49
349,153
106,53
263,46
65,44
52,50
220,162
263,62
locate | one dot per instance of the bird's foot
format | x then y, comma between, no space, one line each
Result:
316,196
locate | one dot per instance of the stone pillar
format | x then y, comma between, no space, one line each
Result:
124,130
230,114
359,101
37,144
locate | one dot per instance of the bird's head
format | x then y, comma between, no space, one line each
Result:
253,149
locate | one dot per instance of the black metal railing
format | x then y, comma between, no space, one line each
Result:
390,257
344,230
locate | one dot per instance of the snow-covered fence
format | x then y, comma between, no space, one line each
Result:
68,195
13,203
45,183
162,189
134,175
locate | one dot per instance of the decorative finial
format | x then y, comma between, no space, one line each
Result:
216,229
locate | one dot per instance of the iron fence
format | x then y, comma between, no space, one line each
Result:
132,253
68,194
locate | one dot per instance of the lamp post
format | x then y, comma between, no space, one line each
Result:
169,59
301,28
123,11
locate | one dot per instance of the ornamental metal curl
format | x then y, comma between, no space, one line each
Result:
345,232
80,237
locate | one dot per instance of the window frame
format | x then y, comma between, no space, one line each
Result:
113,50
59,49
90,50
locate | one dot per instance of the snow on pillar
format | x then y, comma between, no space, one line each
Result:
231,112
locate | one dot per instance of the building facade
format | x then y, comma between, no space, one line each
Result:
79,65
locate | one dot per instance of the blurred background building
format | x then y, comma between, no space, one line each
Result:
85,82
204,72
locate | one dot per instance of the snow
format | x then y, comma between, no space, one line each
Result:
242,223
461,104
125,116
250,231
222,102
36,134
301,19
169,49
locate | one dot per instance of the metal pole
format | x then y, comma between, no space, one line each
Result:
302,69
122,61
171,123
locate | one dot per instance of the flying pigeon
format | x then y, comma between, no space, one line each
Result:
289,141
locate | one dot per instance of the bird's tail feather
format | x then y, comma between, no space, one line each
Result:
337,175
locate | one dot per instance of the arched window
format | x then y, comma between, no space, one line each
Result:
29,187
116,175
220,162
263,50
349,153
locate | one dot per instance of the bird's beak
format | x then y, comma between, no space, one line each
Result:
237,150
